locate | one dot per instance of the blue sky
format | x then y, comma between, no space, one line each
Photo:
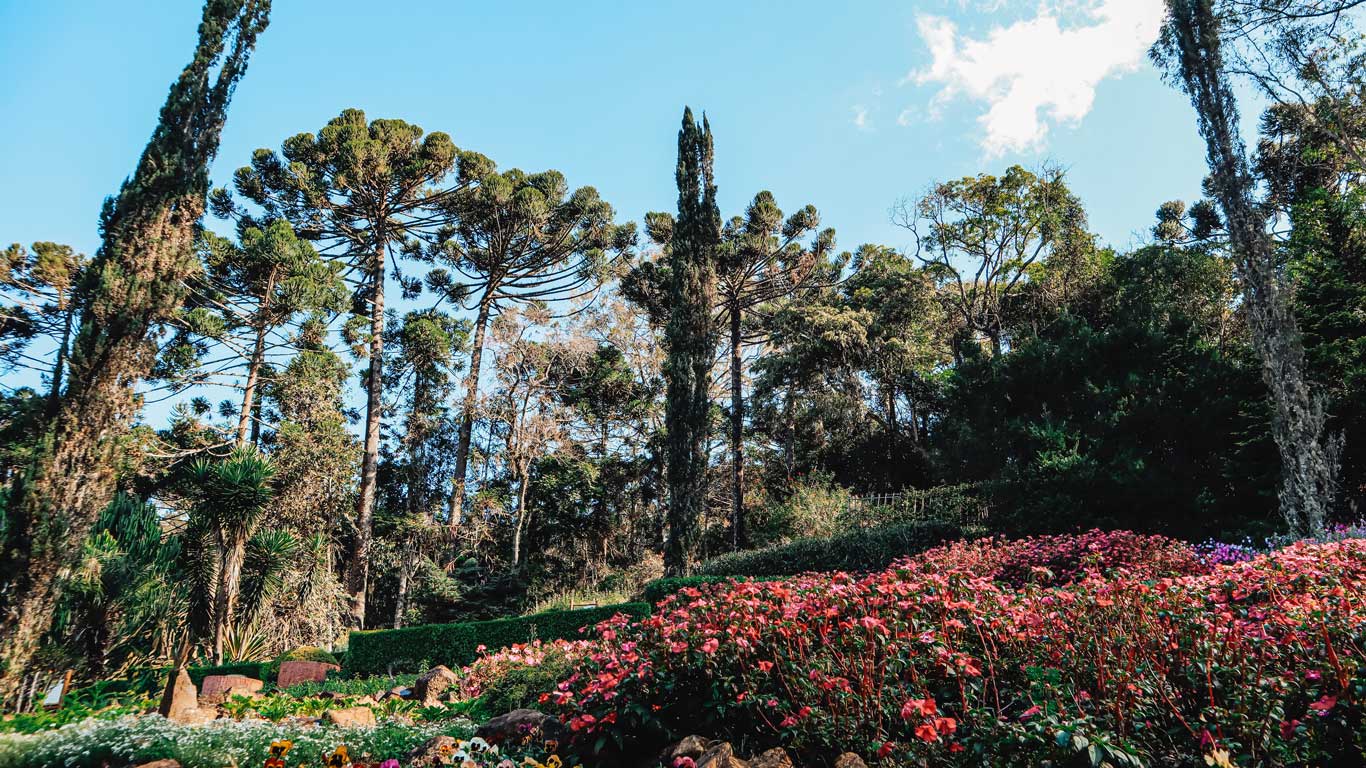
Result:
848,106
596,88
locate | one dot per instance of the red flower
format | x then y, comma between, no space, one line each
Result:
927,733
922,707
885,749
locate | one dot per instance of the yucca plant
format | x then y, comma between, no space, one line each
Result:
229,497
245,644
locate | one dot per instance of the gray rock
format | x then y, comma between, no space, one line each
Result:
519,724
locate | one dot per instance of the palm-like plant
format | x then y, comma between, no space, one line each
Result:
228,498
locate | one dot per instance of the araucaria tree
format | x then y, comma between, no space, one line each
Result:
135,283
1190,48
521,239
690,339
251,290
364,191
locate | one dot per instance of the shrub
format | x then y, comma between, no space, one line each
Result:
136,740
661,588
860,550
456,645
944,659
302,653
255,669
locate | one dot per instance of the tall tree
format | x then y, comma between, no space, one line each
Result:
1191,49
422,366
229,498
135,282
981,234
762,260
520,239
363,190
250,293
690,339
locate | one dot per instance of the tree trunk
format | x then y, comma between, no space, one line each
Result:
1309,456
737,432
521,519
462,448
401,600
225,600
54,397
258,356
358,569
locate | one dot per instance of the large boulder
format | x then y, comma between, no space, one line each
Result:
435,752
721,755
219,688
773,758
433,685
690,747
521,724
350,717
850,760
295,672
166,763
180,703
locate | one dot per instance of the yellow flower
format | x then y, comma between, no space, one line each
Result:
1220,758
279,748
553,761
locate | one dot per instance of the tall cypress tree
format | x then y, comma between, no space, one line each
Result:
690,339
136,282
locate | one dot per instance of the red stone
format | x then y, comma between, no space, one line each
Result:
295,672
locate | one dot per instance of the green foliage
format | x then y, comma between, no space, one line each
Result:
860,550
371,685
133,741
254,669
302,653
521,685
690,339
1142,415
661,588
456,645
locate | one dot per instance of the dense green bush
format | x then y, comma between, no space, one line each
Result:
302,653
861,550
258,670
378,651
130,740
659,589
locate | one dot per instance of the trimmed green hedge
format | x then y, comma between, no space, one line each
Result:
859,550
374,652
254,669
659,589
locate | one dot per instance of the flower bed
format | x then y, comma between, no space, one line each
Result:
1096,648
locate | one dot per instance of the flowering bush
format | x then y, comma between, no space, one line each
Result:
1101,648
218,744
492,667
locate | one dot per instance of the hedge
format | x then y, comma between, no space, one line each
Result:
859,550
374,652
659,589
254,669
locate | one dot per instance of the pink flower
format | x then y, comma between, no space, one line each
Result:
1324,704
710,645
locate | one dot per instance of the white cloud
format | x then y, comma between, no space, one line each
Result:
861,118
1037,71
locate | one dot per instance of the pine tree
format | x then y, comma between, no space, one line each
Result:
135,283
522,239
366,191
690,339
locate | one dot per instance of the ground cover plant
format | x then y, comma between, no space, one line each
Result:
1098,648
